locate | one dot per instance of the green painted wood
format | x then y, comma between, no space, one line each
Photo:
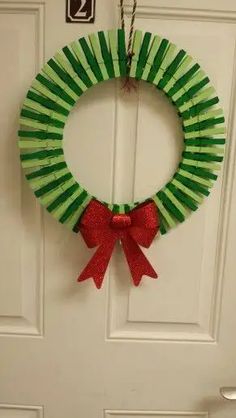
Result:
49,104
39,126
206,132
61,209
106,54
62,61
201,172
40,182
183,80
52,185
211,114
165,62
213,131
113,43
164,213
121,208
175,82
204,94
74,218
202,157
47,199
175,202
205,141
43,119
39,144
191,176
200,126
187,190
77,67
192,92
42,162
44,111
127,208
54,88
158,60
170,206
197,78
53,76
91,59
142,59
67,78
202,164
109,205
135,51
46,170
116,208
163,225
41,154
73,206
203,117
122,53
95,44
208,150
39,135
192,184
62,197
44,91
151,56
171,69
80,55
185,199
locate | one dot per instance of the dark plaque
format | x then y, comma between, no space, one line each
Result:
80,11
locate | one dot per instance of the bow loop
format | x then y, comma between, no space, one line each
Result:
96,216
94,224
145,224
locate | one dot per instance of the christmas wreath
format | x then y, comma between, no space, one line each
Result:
64,78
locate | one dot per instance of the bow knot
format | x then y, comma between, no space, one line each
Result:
120,221
101,228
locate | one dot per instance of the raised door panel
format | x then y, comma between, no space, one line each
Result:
19,411
184,303
153,414
20,219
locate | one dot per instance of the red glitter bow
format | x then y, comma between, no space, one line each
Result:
100,227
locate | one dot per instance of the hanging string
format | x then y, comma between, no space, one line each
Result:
122,14
131,32
129,85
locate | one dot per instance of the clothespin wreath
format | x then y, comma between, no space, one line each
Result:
55,90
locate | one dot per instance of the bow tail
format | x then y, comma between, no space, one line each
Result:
96,267
138,263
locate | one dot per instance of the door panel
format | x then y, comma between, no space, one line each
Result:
187,302
21,278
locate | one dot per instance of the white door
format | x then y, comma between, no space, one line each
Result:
163,349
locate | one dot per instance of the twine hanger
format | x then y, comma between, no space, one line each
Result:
131,32
129,84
